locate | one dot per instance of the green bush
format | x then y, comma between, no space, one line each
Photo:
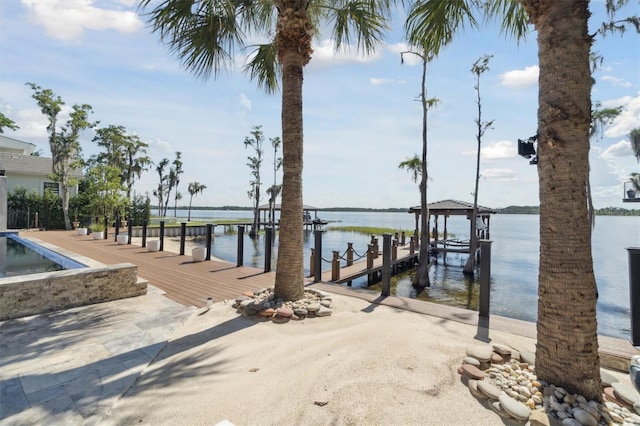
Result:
46,207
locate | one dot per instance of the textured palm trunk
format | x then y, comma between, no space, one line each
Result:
567,347
293,40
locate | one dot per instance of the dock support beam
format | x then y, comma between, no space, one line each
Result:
317,263
386,264
485,276
634,293
240,260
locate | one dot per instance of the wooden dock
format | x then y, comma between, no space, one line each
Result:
359,269
184,281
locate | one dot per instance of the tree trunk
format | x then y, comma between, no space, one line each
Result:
293,39
421,278
567,346
65,206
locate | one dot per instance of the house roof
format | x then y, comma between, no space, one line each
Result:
16,146
29,165
452,207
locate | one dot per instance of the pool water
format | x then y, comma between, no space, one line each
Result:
22,257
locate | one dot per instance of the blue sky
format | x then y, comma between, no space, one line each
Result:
361,117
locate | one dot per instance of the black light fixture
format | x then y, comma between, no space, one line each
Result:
527,150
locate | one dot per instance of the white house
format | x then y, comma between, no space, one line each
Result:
30,171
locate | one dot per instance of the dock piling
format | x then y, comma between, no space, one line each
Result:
386,264
485,276
240,260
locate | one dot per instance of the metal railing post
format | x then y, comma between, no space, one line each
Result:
317,273
634,293
268,240
183,232
115,238
129,230
485,276
144,233
106,227
386,264
240,260
209,231
162,235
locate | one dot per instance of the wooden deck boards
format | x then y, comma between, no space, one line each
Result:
184,281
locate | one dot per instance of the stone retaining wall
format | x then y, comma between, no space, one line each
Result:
51,291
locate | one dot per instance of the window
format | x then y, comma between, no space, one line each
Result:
53,187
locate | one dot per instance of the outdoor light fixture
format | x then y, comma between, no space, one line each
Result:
527,150
209,302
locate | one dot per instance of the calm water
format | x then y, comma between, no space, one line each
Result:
514,266
17,259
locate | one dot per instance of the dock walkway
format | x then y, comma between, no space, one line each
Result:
190,283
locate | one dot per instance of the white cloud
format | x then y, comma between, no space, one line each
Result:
628,119
408,59
520,78
616,81
245,102
499,174
160,146
67,19
325,52
495,151
378,81
620,149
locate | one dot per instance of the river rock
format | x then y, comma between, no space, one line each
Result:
481,353
626,393
267,312
473,388
249,310
515,408
472,372
607,378
495,406
284,312
497,359
613,397
323,312
528,357
539,418
313,307
471,360
300,311
491,391
584,418
501,349
570,421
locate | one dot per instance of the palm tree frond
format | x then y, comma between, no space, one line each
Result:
203,34
265,67
432,24
513,17
366,19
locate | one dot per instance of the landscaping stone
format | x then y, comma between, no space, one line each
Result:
472,372
481,353
516,409
626,393
471,360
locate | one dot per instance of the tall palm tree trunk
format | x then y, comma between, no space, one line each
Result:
293,39
567,345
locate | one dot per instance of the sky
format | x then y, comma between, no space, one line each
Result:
361,118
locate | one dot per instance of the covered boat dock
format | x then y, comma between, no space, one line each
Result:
445,209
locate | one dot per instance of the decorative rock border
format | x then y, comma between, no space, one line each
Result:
264,304
511,389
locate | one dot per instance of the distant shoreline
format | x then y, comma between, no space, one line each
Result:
534,210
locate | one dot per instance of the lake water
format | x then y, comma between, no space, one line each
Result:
514,261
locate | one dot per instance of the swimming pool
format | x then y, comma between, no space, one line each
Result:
83,281
19,256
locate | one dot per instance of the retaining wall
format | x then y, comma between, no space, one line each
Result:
51,291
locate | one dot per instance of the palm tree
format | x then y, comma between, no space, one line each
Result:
194,188
205,35
567,345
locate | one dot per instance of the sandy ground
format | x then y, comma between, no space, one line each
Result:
364,365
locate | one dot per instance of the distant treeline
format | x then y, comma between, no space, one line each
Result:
607,211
